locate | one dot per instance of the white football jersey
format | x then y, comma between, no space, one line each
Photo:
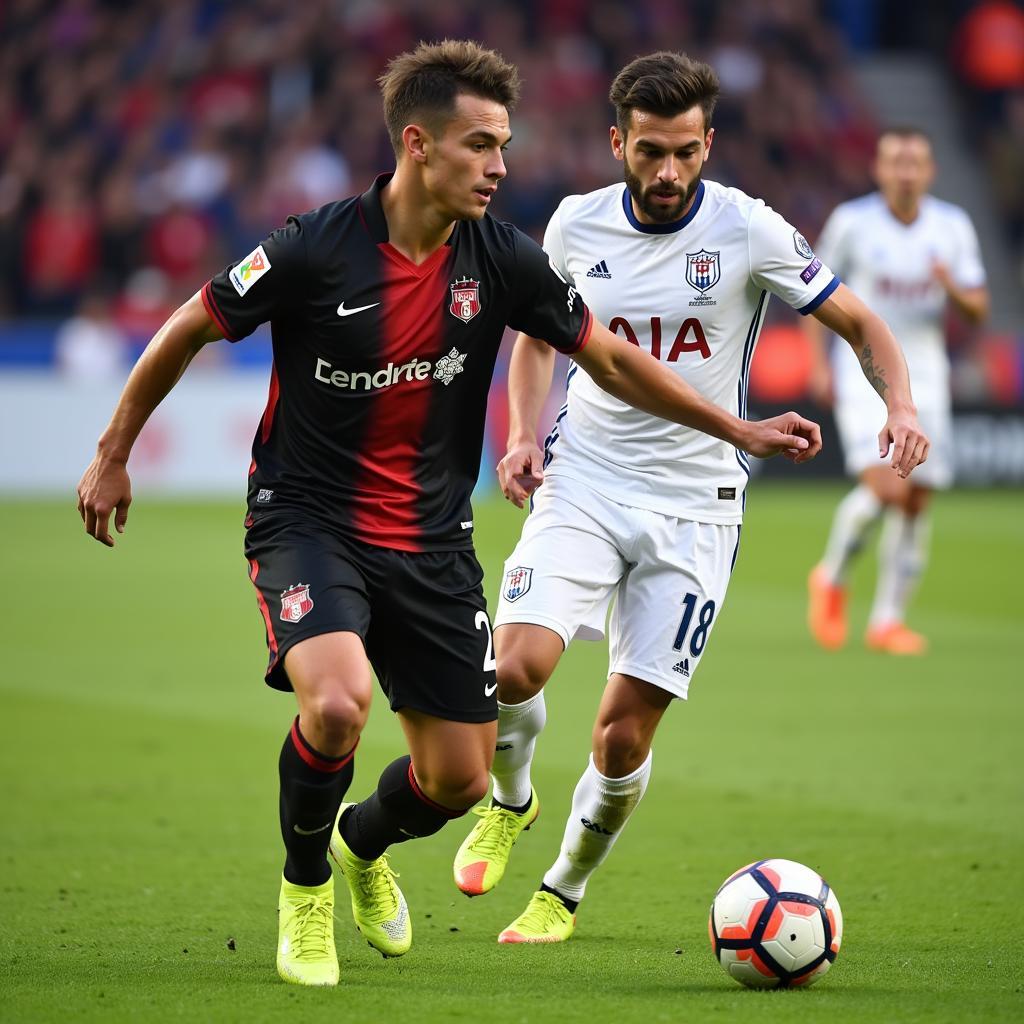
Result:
693,293
889,265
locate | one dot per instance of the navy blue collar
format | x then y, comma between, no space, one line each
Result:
662,229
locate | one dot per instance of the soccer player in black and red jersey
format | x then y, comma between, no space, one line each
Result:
387,310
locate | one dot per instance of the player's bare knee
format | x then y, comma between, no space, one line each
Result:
458,790
333,719
620,747
520,678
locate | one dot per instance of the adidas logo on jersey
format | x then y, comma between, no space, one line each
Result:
682,667
599,270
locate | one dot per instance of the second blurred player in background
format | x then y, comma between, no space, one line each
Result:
909,255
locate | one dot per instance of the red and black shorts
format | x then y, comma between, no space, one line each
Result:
421,616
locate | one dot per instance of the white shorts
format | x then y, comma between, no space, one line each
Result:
859,424
668,576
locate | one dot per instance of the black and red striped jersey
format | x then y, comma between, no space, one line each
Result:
375,419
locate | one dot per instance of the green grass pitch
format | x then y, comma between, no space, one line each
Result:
139,831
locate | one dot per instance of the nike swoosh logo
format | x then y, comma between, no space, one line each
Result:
311,831
488,690
342,311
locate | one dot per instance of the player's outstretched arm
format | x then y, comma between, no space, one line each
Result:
105,486
881,359
633,376
521,471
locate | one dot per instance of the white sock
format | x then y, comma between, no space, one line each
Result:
519,725
600,809
854,516
902,557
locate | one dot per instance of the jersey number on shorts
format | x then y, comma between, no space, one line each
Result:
482,622
700,632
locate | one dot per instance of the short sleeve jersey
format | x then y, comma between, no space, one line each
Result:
889,265
693,293
375,418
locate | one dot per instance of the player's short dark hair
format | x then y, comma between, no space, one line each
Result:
665,84
423,84
904,131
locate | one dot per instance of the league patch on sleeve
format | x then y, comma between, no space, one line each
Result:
250,270
803,247
809,272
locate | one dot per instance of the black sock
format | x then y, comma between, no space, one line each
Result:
571,905
509,807
312,788
398,810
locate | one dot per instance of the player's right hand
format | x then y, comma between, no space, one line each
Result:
790,434
521,472
104,488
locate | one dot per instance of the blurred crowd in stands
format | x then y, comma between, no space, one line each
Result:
143,145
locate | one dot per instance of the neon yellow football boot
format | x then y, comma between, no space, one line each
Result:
378,906
305,944
483,856
545,919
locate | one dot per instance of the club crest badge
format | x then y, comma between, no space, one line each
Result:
295,602
517,582
465,299
703,272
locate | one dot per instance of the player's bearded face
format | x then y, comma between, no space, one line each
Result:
662,201
662,161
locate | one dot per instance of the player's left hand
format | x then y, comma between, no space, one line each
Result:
909,444
791,435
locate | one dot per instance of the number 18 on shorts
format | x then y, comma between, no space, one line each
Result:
668,577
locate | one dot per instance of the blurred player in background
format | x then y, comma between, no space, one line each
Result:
632,507
387,310
909,254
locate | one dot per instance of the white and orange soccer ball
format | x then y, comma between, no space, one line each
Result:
775,924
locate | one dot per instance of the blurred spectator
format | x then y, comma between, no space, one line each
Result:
90,346
143,305
60,254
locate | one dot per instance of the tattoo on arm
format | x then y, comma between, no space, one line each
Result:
875,376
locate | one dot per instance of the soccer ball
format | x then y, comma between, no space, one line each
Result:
775,923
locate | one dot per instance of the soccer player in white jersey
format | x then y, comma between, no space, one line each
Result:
909,255
633,507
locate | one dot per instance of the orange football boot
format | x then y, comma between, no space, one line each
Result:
895,638
826,610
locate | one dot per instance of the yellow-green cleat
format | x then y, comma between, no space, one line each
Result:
545,919
305,942
483,856
378,906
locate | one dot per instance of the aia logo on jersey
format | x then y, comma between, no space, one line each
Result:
517,582
295,602
465,299
703,272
